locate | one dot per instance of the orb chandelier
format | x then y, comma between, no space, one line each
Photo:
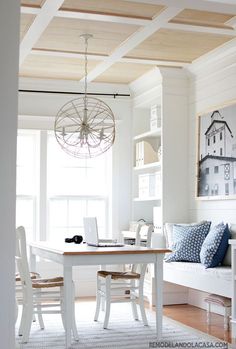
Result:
85,127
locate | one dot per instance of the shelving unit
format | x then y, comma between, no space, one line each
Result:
166,88
149,134
146,193
148,166
148,199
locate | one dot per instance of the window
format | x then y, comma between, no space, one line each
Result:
221,151
208,141
221,136
70,188
207,171
227,172
27,181
216,169
206,189
214,139
76,188
226,188
216,189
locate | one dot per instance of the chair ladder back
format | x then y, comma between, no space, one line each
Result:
147,231
21,258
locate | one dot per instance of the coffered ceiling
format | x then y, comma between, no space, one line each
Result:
130,37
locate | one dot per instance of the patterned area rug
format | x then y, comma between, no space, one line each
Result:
123,332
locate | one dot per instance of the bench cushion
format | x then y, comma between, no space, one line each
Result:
221,272
194,275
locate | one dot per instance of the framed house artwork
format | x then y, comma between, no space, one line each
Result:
216,160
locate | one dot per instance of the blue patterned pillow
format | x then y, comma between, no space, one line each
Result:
215,246
188,242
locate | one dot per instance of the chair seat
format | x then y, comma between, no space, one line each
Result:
33,275
118,275
46,283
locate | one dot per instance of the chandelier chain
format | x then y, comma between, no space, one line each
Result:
86,69
85,127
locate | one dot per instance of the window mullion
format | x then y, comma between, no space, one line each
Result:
43,226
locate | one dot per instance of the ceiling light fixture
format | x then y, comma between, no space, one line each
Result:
85,127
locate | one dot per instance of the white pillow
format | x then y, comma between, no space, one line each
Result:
227,258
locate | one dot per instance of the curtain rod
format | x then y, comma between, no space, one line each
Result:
77,93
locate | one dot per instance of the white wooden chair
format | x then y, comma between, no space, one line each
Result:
19,291
39,296
124,286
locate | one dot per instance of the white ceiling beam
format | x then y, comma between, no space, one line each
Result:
223,1
199,29
64,54
30,10
91,16
94,57
159,62
232,22
131,20
45,15
103,17
220,6
133,41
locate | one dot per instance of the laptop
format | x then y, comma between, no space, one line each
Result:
91,234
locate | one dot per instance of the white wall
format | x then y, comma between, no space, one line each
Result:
212,84
39,111
9,41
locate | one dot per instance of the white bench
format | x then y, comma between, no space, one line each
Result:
216,280
194,275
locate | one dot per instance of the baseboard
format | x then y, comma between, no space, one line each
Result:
172,294
175,298
196,298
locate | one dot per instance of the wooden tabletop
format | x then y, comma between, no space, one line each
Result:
84,249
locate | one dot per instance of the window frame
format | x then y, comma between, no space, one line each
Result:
41,219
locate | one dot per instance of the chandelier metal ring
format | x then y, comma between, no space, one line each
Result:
85,137
85,127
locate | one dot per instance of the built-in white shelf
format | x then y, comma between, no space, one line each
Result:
152,198
149,134
148,166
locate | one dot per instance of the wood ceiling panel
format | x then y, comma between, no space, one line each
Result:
124,73
204,18
64,34
32,3
113,7
25,22
50,67
177,45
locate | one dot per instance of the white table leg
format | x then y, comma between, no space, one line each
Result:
103,267
68,303
16,309
158,273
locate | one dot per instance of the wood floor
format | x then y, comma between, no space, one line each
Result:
196,318
193,317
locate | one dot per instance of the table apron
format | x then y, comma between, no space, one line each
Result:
73,260
109,259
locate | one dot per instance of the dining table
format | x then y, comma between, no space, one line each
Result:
70,255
